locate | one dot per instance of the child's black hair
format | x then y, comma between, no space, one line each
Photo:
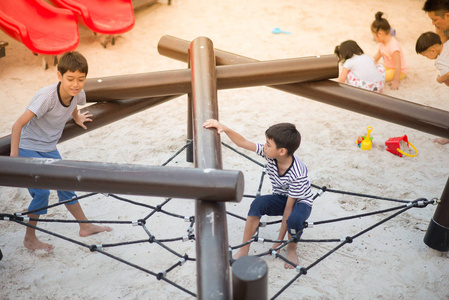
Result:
285,135
427,40
72,61
380,23
347,49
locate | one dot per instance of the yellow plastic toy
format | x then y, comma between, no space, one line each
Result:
366,144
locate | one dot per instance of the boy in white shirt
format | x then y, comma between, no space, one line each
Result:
429,45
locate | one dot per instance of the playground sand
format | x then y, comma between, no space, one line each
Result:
390,261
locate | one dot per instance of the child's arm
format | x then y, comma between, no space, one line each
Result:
16,131
443,78
344,73
235,137
377,56
287,211
397,70
80,118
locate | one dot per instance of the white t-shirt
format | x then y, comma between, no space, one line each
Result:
442,61
363,67
42,133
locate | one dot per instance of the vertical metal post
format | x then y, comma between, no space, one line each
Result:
213,278
189,150
437,235
249,279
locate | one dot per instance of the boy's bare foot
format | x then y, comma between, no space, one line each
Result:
240,253
93,229
441,141
291,256
34,244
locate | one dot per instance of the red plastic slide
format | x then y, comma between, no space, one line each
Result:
44,29
102,16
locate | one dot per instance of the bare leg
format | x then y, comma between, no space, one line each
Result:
86,229
31,241
291,255
251,225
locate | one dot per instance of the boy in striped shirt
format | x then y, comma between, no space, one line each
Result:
291,195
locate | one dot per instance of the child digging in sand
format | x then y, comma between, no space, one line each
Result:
359,69
292,195
37,131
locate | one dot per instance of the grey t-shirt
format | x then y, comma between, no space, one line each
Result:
42,133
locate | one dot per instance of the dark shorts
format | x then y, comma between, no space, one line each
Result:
274,205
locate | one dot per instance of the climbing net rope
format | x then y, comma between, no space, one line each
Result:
181,259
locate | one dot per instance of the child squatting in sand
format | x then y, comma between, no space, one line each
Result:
429,45
291,195
37,131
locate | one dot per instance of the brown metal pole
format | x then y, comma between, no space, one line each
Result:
190,183
213,279
249,279
176,82
189,150
104,113
437,235
413,115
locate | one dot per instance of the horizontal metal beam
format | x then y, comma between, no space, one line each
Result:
424,118
104,113
177,82
190,183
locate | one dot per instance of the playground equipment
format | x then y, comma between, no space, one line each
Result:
43,28
394,146
213,282
102,16
178,82
2,48
211,184
402,112
426,119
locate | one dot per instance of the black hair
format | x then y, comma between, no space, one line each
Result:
285,135
347,49
380,23
427,40
438,7
72,61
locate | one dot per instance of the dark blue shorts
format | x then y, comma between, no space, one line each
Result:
274,205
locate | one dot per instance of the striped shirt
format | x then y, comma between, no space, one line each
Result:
294,183
42,132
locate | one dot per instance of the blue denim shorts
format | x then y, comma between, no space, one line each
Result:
274,205
40,196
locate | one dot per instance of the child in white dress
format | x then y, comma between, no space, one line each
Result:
359,69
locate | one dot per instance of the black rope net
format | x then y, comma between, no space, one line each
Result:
153,236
